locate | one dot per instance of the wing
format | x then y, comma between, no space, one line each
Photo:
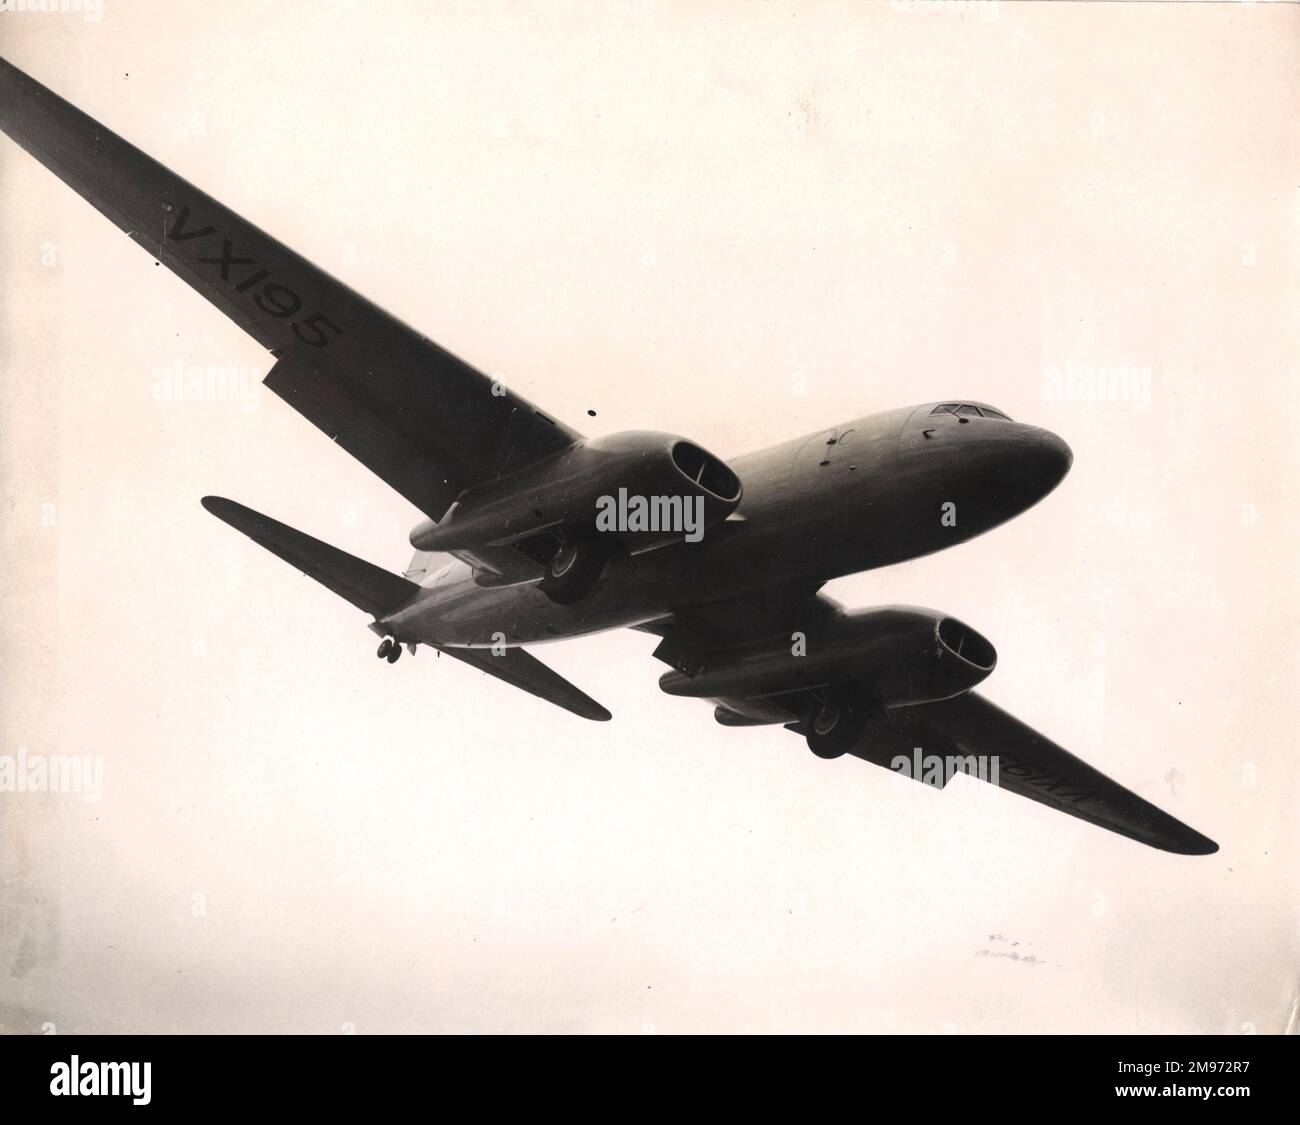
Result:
1034,766
968,729
424,421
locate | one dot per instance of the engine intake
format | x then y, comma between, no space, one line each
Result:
565,489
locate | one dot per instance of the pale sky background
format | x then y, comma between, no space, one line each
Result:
660,212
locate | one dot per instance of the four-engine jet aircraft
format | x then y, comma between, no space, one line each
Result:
511,553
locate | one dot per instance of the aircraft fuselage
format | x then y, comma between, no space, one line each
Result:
864,494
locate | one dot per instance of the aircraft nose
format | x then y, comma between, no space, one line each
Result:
1050,460
1020,468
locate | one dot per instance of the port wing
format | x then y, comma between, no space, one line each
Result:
423,420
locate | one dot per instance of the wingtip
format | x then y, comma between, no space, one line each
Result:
1202,846
228,511
1187,841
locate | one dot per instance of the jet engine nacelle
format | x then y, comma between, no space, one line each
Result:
669,487
894,656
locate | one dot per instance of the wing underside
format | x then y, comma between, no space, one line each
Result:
974,733
967,732
423,420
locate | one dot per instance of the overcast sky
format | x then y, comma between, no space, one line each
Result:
674,215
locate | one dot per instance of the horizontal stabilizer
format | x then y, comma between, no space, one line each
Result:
525,671
365,585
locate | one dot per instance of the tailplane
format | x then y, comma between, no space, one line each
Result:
366,586
379,593
523,670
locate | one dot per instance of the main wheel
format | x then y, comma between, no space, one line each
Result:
394,653
574,569
385,647
833,726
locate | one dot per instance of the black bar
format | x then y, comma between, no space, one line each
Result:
617,1075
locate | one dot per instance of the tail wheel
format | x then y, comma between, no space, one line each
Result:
833,726
574,569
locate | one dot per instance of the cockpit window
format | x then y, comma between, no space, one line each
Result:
969,410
